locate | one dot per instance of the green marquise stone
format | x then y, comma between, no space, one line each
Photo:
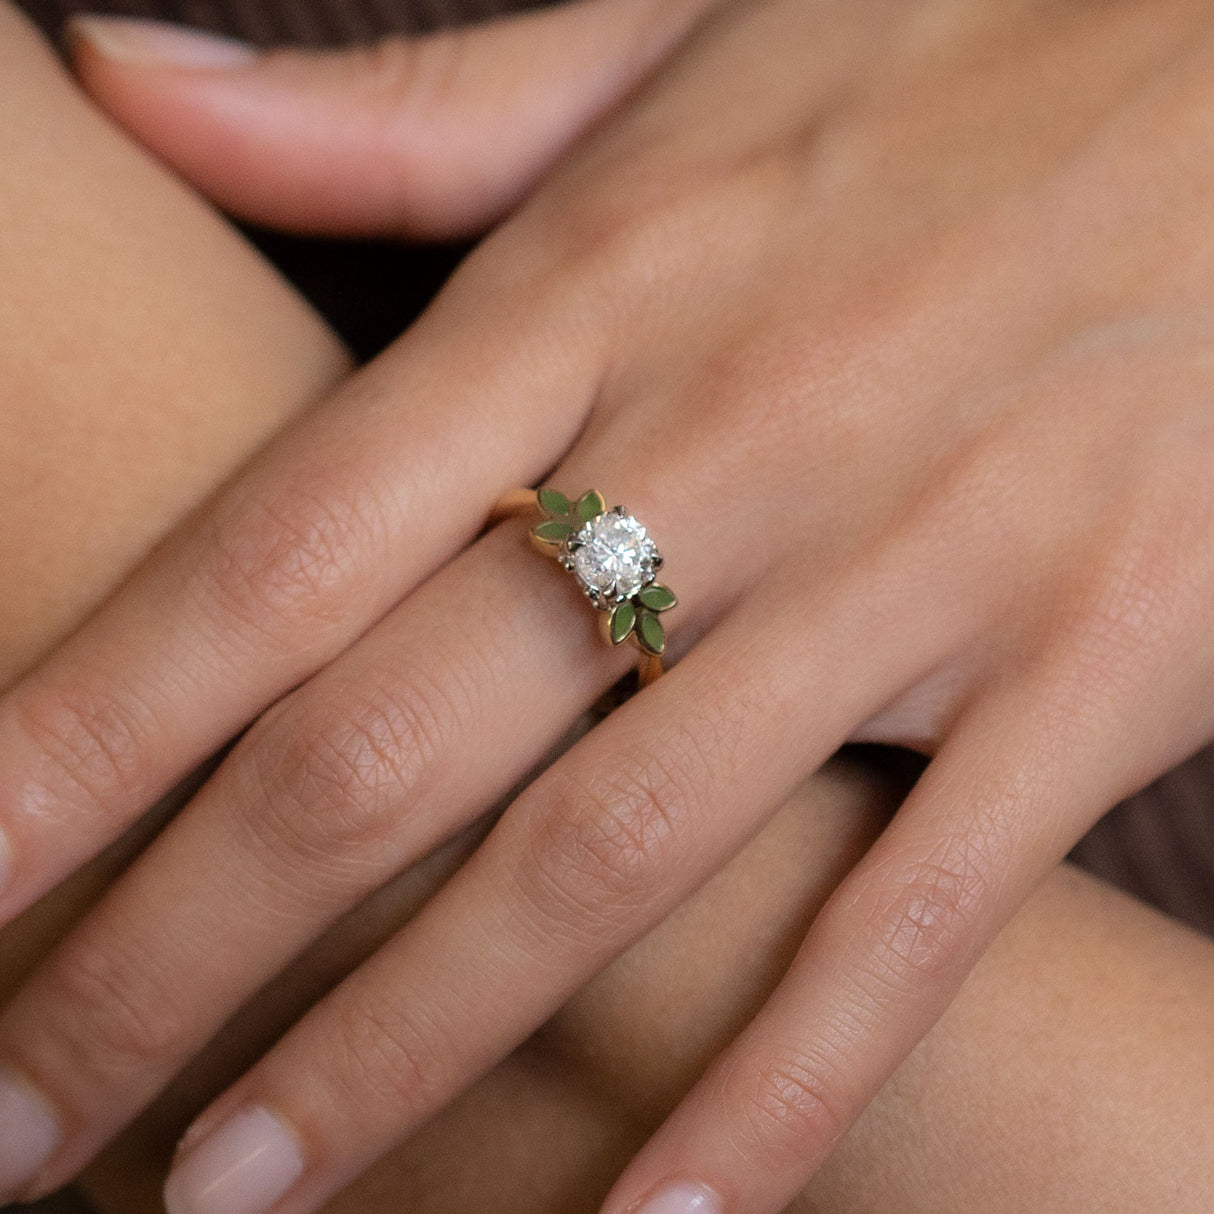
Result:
657,597
622,620
651,633
590,504
551,532
553,503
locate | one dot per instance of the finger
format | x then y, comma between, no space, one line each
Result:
434,136
314,542
594,853
1001,804
380,757
375,762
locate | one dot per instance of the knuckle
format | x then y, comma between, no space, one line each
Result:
1147,590
332,781
968,491
606,228
90,739
388,1059
784,1112
114,1018
602,847
647,223
290,562
921,931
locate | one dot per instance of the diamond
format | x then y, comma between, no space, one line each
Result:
611,556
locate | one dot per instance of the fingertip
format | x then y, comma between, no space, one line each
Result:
203,105
681,1197
132,40
30,1134
159,82
274,138
244,1166
390,140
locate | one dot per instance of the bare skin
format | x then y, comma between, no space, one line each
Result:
889,319
147,351
150,354
1075,1069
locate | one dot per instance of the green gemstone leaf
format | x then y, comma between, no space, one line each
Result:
590,504
657,597
553,503
622,620
650,633
551,532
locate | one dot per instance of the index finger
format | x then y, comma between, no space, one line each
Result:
346,513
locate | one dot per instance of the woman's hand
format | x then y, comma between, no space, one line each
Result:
890,321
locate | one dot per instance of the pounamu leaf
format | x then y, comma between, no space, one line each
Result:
650,633
590,504
551,532
553,503
622,620
657,597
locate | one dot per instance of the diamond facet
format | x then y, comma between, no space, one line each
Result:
611,556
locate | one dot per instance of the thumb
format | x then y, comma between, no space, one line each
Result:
435,136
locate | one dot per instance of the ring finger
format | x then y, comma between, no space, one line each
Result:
431,718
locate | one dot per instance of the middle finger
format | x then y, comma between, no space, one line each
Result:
449,701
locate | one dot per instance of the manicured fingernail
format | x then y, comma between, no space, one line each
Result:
29,1133
683,1199
243,1167
133,40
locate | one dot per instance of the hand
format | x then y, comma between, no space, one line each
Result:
889,321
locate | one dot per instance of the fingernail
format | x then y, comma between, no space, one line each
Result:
133,40
243,1167
683,1199
29,1133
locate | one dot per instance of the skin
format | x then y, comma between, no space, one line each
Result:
927,311
147,351
155,441
1072,1072
1074,1069
151,351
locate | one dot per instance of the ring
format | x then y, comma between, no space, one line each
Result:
612,558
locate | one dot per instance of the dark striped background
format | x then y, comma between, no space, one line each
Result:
315,22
